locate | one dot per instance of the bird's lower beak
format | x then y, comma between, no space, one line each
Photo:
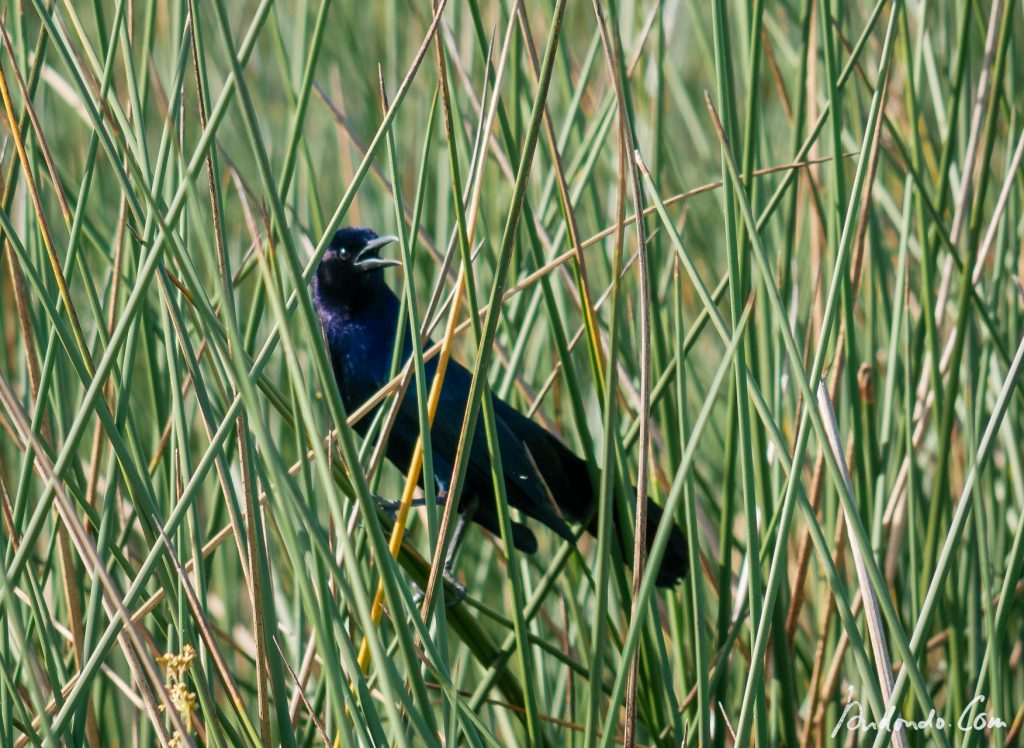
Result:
368,258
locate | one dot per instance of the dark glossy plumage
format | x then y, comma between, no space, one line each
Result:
359,314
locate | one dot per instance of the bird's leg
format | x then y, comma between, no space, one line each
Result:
390,506
440,490
447,571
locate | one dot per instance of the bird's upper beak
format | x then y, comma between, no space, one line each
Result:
368,257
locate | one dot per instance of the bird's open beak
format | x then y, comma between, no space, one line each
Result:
368,257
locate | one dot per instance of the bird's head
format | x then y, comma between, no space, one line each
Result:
353,258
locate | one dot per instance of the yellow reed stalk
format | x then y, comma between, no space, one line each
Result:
416,465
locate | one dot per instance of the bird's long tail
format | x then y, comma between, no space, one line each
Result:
675,563
568,478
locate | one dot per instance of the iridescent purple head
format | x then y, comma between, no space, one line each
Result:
352,254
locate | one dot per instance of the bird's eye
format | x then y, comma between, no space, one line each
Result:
343,253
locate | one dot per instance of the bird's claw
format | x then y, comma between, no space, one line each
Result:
388,506
457,587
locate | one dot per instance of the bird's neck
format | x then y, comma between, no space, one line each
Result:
370,298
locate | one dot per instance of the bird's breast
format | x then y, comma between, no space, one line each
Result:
361,355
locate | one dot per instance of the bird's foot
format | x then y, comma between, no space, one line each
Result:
390,506
457,587
447,572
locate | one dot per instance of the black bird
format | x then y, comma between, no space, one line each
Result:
359,314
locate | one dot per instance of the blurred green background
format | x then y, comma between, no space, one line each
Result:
817,326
